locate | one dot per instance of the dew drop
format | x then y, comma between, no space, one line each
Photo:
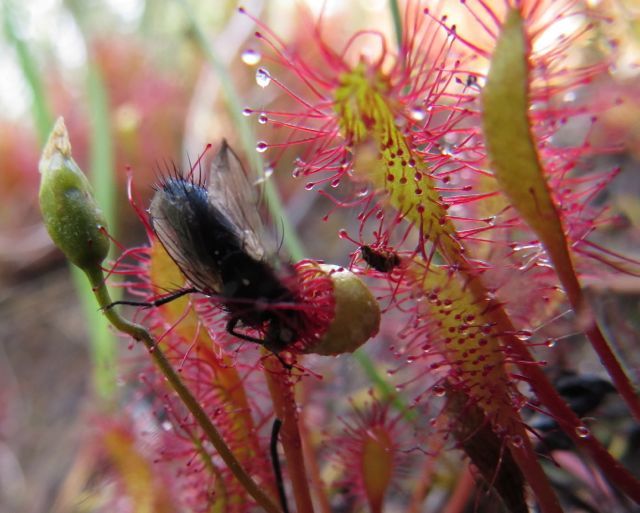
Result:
517,441
268,171
251,57
417,113
439,390
261,147
263,77
363,192
523,335
247,112
583,431
550,342
262,119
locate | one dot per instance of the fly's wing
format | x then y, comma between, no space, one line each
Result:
238,199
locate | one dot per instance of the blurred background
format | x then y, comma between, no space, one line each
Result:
141,83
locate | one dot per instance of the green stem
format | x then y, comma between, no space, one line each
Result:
234,107
397,21
103,343
383,386
139,333
39,107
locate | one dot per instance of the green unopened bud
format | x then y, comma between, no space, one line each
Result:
357,314
72,217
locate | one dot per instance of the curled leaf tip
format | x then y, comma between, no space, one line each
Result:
58,144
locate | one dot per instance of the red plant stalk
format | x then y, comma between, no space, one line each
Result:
425,481
571,424
461,493
282,393
308,450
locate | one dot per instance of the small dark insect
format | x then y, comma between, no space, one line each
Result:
472,81
381,260
213,233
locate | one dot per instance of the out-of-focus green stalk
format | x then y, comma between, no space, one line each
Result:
234,106
103,341
102,165
385,389
397,21
39,109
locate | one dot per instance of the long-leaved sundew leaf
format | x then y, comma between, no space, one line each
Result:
452,322
383,157
520,173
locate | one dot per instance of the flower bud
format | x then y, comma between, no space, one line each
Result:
70,213
357,314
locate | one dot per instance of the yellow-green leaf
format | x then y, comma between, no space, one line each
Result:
512,148
146,493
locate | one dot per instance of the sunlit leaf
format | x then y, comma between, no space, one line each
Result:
512,148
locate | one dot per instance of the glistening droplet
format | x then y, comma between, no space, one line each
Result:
263,77
251,57
583,431
417,113
438,390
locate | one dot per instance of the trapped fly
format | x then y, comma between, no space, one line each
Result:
214,234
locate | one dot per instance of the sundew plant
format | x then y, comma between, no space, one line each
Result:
461,163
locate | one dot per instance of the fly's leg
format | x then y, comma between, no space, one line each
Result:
231,325
157,302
